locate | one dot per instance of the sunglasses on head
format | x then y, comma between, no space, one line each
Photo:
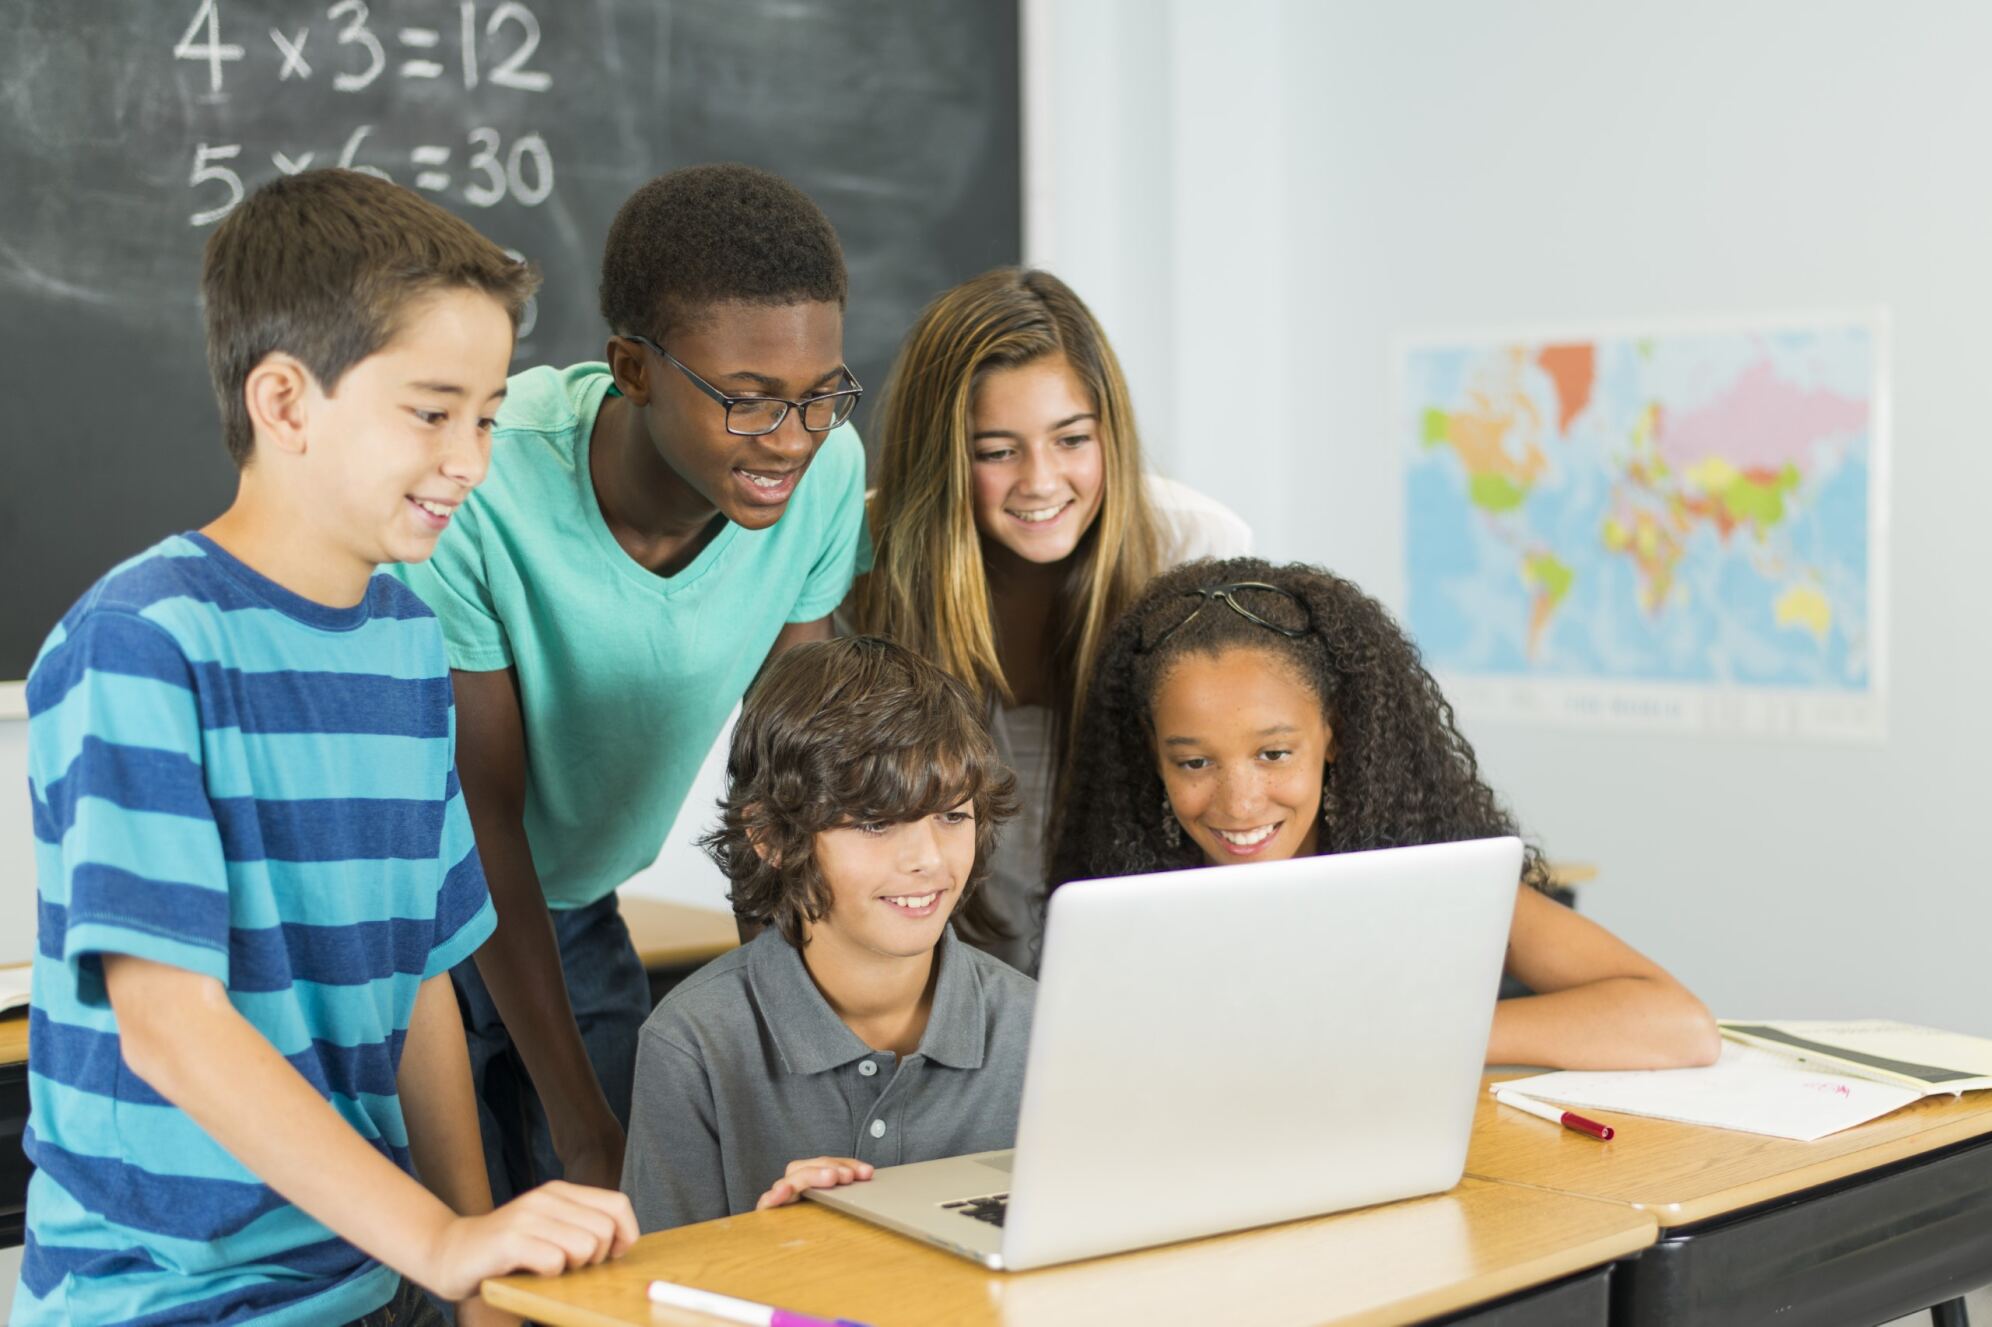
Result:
1227,594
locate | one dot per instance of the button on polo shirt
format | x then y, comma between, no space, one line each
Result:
745,1068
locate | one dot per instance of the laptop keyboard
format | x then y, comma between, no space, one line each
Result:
990,1209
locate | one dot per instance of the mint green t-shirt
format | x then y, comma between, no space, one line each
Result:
625,676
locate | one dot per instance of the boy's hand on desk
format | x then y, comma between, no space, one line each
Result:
815,1173
549,1230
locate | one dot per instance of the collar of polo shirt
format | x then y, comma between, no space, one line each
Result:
809,1036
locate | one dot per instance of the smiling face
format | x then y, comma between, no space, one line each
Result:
893,886
406,434
1038,469
793,351
1241,744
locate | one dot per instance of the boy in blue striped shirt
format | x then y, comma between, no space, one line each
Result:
255,866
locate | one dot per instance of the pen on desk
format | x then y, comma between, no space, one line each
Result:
676,1296
1569,1119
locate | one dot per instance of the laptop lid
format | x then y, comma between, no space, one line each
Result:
1237,1045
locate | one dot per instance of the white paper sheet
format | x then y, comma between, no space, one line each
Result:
1747,1090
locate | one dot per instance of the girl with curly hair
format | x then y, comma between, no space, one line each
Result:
1245,712
1013,521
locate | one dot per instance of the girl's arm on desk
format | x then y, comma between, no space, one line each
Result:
1600,1004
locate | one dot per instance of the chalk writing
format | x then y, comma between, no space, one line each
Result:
206,170
510,32
212,50
292,49
495,45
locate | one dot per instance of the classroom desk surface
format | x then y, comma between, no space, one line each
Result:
1398,1263
1569,875
1684,1173
14,1027
673,935
1867,1225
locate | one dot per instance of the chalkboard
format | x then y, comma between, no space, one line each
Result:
131,126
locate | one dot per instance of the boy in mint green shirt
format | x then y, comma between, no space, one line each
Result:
653,528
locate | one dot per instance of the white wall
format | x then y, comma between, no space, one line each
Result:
1316,177
17,846
682,873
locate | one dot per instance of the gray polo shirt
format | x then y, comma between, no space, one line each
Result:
745,1068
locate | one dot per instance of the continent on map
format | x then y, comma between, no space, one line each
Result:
1734,462
1689,509
1571,367
1495,436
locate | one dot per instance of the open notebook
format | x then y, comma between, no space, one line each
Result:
1927,1059
1762,1085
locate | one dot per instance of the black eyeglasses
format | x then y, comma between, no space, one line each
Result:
1228,595
752,416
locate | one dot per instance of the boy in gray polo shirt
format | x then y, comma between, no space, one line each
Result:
855,1030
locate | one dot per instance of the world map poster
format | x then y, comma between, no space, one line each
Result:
1670,527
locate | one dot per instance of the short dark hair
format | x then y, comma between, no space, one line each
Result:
320,265
840,733
713,234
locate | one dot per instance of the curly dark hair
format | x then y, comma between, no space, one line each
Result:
707,234
1402,773
839,733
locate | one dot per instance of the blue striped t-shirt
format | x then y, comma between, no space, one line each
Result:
236,781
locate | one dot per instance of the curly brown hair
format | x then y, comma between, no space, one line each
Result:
1402,773
840,733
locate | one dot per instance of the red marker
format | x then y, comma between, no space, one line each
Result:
1569,1119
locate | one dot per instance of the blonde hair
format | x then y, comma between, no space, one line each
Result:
927,587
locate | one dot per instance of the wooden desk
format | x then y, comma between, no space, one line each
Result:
1868,1224
1569,875
1401,1262
13,1038
674,940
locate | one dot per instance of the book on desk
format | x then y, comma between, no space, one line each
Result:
1797,1080
1928,1060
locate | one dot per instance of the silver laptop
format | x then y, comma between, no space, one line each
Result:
1229,1047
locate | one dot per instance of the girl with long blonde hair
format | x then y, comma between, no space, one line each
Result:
1012,523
